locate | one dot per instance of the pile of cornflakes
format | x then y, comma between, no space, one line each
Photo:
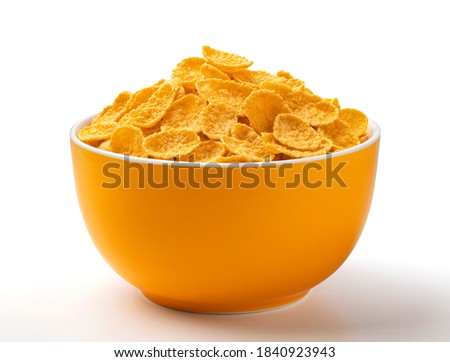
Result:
214,109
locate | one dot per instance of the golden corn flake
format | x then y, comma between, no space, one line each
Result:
254,76
164,95
252,151
228,153
184,113
210,71
97,132
148,114
105,146
116,110
216,120
143,95
291,81
333,101
224,61
284,74
244,133
144,116
127,139
272,145
181,93
188,71
217,109
292,131
261,107
318,113
340,133
278,87
297,99
224,91
96,143
285,109
295,83
205,152
169,144
231,159
151,130
356,119
191,91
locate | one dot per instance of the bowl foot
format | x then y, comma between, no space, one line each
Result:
209,308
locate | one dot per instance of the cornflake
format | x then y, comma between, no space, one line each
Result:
216,109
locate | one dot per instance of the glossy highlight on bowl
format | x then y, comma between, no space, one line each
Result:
228,248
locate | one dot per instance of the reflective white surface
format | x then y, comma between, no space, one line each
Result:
361,302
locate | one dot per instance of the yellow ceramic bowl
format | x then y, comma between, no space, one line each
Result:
225,238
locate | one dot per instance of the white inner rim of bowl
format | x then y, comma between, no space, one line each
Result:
373,131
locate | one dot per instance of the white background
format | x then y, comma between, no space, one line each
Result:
62,61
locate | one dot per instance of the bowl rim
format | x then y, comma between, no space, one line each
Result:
373,130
